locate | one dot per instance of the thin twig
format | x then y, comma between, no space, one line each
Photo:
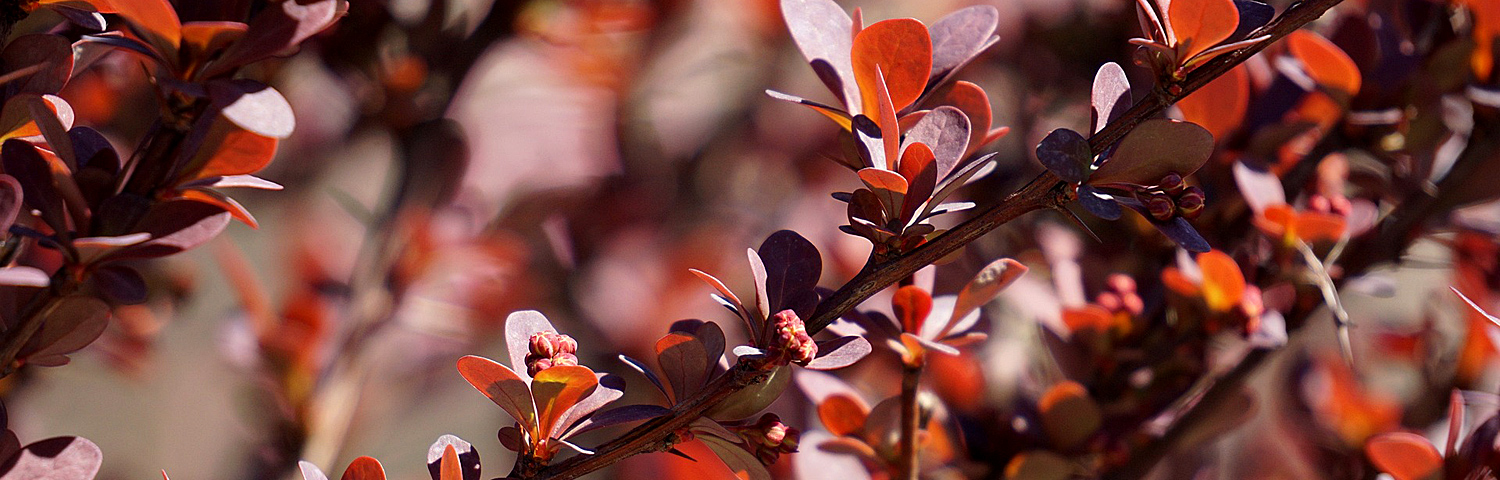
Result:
911,377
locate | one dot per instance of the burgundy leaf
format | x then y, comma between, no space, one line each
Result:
1253,15
869,142
121,283
645,371
278,28
946,130
1154,149
61,458
11,199
619,416
839,353
611,388
684,362
74,323
1066,154
919,167
52,54
175,226
468,457
26,165
793,267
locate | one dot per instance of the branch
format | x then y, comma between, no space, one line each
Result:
910,421
1046,191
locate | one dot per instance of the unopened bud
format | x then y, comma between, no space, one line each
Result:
564,359
536,366
795,345
1172,184
1109,300
541,344
1191,202
1121,283
1160,207
566,344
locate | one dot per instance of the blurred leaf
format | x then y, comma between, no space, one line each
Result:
1325,62
72,323
1152,150
1260,188
1180,231
21,276
984,287
911,305
1069,414
60,458
843,414
465,459
898,50
502,385
1223,282
1221,104
1039,465
740,461
310,471
1111,95
1404,455
1066,154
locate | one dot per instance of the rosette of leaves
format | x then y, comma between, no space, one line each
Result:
557,403
1135,167
59,458
922,323
1185,34
909,157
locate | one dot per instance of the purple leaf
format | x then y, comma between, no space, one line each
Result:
959,37
1182,232
684,362
1153,149
468,457
74,323
646,372
120,283
1111,96
839,353
253,106
610,388
61,458
277,29
1253,15
946,130
52,54
793,266
1066,154
619,416
1099,204
175,226
519,327
23,163
739,460
824,33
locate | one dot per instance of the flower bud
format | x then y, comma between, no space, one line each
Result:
565,344
562,359
535,367
1121,283
1160,207
541,344
1190,203
793,343
1172,184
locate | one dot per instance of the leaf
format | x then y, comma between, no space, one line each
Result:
762,296
465,458
1220,105
793,267
75,322
1325,62
958,37
833,113
175,226
1069,415
22,161
1253,15
202,41
1476,308
752,399
919,170
1066,154
843,414
684,362
975,103
888,186
883,112
155,21
52,55
229,150
740,461
22,276
1260,188
276,29
1099,204
61,458
364,468
619,416
310,471
1154,149
869,142
638,366
11,199
823,32
911,304
1183,233
519,328
219,199
840,352
501,385
1404,455
1111,95
253,106
1223,282
946,130
900,51
558,389
984,287
233,181
1039,465
121,284
1200,24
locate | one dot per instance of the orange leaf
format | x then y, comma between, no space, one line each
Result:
1201,24
365,468
1219,106
1090,317
203,40
1317,226
1404,455
219,199
155,21
1179,283
501,385
231,150
911,304
1324,61
975,104
450,469
901,51
558,389
842,414
1223,282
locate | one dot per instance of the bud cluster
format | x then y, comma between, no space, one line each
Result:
1335,205
791,342
1121,296
550,349
1171,197
768,438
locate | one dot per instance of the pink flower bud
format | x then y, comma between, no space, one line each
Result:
564,359
565,344
533,368
793,342
541,344
1121,283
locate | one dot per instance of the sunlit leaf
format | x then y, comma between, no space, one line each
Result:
840,352
56,458
684,362
558,389
155,21
501,385
464,459
1200,24
519,328
959,36
793,266
946,130
276,29
975,104
900,51
1111,95
253,106
823,32
1223,282
985,286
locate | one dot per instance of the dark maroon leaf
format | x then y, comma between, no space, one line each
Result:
277,29
93,150
793,266
1253,15
58,458
839,353
83,18
122,284
1099,204
116,40
684,363
468,457
958,37
175,226
10,201
27,166
1065,153
946,130
253,106
1111,96
1179,230
824,33
74,323
53,54
619,416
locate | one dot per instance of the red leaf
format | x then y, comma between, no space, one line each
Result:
1404,455
919,167
558,389
1325,62
155,21
985,286
502,385
1201,24
899,50
364,468
230,150
975,103
911,304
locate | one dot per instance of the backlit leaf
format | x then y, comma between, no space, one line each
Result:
900,51
155,21
1069,414
919,167
1325,62
684,362
230,150
1219,106
276,29
364,468
1200,24
984,287
501,385
975,103
558,389
464,457
843,414
1404,455
911,305
840,352
1223,282
889,186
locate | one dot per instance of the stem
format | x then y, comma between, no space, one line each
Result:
911,376
1046,191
